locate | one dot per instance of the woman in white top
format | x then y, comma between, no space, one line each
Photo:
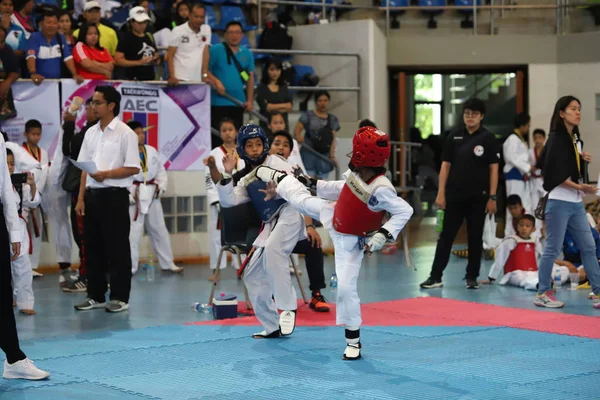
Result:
561,163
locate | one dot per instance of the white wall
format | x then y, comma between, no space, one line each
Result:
543,93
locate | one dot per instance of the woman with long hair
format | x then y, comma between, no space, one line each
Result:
91,60
65,26
562,164
272,93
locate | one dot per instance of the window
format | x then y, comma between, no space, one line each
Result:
428,104
185,214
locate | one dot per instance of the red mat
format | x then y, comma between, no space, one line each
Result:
434,311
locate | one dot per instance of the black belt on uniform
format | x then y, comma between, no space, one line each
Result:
105,190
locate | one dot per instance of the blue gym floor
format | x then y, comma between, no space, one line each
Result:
148,352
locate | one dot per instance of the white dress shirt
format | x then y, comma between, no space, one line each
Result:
11,214
114,148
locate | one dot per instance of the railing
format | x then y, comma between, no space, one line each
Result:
561,7
401,166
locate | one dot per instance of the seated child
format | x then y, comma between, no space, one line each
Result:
517,258
572,256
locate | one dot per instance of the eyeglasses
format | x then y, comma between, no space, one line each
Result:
469,113
97,102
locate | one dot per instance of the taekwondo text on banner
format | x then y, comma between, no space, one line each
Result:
177,118
35,102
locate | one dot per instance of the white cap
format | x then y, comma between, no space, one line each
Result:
138,14
91,5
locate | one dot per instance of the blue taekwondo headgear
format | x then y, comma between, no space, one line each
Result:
251,131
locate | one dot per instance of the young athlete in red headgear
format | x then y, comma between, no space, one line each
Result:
353,211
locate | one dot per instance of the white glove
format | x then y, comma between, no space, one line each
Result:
376,242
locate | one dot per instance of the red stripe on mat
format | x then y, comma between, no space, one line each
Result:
434,311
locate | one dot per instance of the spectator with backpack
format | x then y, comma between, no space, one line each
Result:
272,93
320,128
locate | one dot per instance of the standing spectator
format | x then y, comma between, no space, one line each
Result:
47,50
65,27
561,163
272,93
180,13
320,128
22,17
232,71
151,27
91,60
17,365
16,35
188,54
517,167
112,146
104,7
108,36
136,52
536,185
467,189
9,72
71,146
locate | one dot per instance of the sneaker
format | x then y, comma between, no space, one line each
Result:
318,303
66,276
264,335
595,300
89,304
36,274
352,352
174,268
78,286
431,283
24,369
287,322
547,300
115,306
472,284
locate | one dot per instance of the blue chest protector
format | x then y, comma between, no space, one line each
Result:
266,209
572,252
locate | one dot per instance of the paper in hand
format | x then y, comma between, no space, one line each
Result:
85,166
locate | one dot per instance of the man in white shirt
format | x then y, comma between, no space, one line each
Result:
104,203
17,365
188,56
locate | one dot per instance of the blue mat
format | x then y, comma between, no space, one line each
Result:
203,362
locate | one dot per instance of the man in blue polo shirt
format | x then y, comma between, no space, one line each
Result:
231,69
46,52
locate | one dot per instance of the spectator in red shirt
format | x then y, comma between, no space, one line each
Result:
91,60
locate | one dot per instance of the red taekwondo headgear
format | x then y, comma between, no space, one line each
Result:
370,148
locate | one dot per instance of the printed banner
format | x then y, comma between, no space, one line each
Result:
35,102
177,118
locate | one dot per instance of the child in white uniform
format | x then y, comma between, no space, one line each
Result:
266,274
35,222
26,196
517,258
351,210
228,134
146,209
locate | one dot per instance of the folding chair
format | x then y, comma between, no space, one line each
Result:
240,226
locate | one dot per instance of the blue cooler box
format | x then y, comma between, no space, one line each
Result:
225,307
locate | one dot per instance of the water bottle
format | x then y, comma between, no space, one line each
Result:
557,279
333,286
202,308
439,223
150,269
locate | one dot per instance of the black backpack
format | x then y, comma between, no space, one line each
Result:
275,36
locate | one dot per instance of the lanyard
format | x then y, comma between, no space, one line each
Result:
144,162
35,154
577,156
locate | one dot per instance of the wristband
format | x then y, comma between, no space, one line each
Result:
387,235
310,226
493,197
226,175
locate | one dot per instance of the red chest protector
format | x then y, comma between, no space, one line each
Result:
352,215
522,258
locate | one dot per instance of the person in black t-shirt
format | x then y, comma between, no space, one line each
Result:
136,52
9,72
467,190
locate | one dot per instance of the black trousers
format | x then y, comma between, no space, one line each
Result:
473,210
9,341
106,238
217,113
313,257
